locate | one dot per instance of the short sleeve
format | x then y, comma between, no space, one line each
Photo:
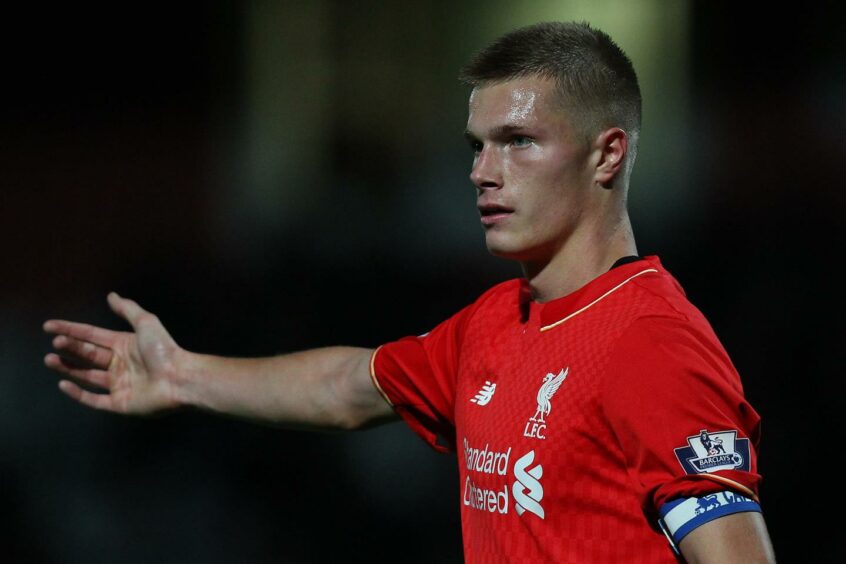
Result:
676,405
417,376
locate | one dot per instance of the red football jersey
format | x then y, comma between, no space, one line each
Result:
576,420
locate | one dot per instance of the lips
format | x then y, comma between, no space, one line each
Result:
494,209
493,212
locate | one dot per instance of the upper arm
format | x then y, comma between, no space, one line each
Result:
417,375
668,385
739,537
358,393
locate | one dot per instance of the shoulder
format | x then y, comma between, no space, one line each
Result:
504,296
670,354
663,305
492,302
665,330
508,288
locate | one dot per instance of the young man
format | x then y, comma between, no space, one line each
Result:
579,398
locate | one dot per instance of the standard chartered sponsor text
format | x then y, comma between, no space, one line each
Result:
486,461
485,500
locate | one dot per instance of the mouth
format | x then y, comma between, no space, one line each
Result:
493,213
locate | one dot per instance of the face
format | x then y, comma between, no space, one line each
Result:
533,177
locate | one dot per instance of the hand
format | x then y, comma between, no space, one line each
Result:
137,369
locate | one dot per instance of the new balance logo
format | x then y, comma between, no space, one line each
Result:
485,394
527,489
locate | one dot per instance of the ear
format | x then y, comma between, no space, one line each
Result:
611,146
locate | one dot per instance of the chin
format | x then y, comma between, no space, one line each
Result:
508,250
512,248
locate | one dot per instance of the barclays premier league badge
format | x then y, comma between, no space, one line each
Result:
710,452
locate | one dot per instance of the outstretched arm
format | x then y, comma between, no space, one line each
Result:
144,372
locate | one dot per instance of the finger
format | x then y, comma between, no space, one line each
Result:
83,331
97,401
127,309
100,378
97,357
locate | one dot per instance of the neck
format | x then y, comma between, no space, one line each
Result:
588,252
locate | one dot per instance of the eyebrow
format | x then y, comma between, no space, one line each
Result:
497,132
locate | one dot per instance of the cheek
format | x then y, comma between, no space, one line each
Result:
552,205
551,165
527,168
542,182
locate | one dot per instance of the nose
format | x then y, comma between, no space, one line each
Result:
486,173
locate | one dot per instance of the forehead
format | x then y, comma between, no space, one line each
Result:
520,101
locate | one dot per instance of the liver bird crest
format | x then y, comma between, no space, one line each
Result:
551,383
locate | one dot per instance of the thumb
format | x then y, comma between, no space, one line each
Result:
126,308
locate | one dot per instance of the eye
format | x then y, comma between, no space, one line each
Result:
521,141
476,146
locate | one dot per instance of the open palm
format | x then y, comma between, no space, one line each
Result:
135,369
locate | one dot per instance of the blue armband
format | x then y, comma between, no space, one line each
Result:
680,516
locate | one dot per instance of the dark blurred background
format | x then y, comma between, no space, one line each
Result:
272,176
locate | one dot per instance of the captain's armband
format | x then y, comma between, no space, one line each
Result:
680,516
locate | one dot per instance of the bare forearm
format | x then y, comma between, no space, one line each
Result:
319,388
